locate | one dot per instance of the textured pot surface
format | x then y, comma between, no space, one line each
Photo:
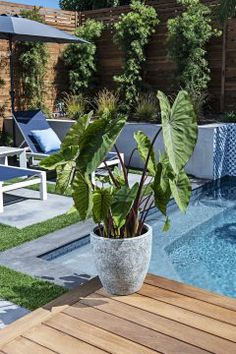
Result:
122,264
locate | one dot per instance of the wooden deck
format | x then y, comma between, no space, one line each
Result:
164,317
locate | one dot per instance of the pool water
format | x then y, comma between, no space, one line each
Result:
199,249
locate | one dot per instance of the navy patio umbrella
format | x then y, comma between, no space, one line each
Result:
16,28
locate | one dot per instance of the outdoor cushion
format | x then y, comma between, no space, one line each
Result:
47,140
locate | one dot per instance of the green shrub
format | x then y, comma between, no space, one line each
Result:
146,108
228,117
79,59
106,102
74,105
188,35
33,58
133,32
83,5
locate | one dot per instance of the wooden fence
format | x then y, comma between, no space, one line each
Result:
159,71
54,80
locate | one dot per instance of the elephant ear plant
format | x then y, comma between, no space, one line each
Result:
119,209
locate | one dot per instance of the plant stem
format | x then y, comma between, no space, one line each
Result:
111,174
137,200
130,159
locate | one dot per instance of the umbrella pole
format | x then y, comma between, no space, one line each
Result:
12,92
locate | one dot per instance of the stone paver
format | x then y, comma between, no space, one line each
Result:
9,313
25,258
31,210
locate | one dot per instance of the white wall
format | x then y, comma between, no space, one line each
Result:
200,165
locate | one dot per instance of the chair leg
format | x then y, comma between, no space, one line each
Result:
43,186
1,197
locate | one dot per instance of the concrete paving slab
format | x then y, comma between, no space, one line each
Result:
25,208
10,312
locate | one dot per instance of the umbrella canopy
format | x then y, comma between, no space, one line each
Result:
16,28
21,29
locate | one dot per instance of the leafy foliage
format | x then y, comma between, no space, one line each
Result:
188,35
74,105
106,102
133,32
146,108
228,117
33,58
79,59
226,9
116,206
83,5
179,131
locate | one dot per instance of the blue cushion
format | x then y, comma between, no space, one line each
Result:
47,140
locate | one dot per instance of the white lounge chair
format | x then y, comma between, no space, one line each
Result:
29,178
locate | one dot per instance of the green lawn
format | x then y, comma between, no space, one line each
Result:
22,289
12,237
27,291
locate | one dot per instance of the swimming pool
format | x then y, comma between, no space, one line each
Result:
200,248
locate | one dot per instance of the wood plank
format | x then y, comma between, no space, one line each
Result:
95,336
132,331
59,341
25,346
183,316
158,323
188,290
40,315
189,303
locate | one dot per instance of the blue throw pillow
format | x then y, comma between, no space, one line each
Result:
47,140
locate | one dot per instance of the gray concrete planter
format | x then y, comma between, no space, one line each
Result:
122,264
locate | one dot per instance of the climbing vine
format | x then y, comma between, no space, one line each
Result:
33,58
79,59
133,32
83,5
188,35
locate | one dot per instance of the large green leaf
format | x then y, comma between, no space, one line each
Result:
70,146
51,162
97,141
73,137
144,146
122,203
161,188
82,195
181,190
179,129
65,175
101,204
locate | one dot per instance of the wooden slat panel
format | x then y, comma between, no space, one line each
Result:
191,291
159,323
88,320
109,57
40,315
189,303
60,342
130,330
25,346
186,317
96,336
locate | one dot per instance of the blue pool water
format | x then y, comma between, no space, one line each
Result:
200,248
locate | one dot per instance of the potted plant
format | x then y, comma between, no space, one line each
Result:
122,240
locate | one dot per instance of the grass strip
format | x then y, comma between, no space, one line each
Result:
12,237
26,291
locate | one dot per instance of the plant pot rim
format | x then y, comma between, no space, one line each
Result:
148,231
